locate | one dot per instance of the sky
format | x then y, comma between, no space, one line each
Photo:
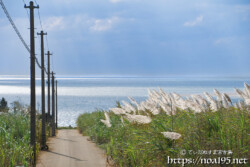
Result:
132,37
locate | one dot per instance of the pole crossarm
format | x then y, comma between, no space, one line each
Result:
30,7
49,54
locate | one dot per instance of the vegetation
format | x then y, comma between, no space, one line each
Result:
4,105
168,126
15,147
144,145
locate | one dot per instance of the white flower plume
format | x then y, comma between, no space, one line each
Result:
118,111
171,135
107,120
140,119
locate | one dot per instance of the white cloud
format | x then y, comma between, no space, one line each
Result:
225,40
197,21
78,22
54,23
115,1
104,24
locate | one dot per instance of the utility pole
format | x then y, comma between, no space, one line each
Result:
48,70
44,146
56,105
53,105
32,82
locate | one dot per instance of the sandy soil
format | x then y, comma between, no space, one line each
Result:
71,149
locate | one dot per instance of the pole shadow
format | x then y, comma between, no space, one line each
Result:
77,159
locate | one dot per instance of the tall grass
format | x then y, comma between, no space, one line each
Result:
15,147
143,145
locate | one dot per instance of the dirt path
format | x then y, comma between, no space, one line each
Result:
71,149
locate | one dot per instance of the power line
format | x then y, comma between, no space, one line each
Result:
27,11
37,62
40,21
39,16
53,63
36,2
18,33
47,43
14,26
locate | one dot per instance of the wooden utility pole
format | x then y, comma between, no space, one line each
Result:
48,70
43,146
56,105
53,105
32,82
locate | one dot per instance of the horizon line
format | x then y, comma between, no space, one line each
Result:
122,76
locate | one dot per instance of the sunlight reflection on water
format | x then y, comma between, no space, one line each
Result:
77,96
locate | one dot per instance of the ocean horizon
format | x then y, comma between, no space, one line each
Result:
78,95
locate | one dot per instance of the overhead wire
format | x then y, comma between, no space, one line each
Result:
19,34
40,21
14,26
41,25
27,11
38,11
53,63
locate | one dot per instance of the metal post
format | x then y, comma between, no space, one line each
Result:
43,145
56,105
32,82
53,105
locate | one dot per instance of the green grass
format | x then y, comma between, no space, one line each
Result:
15,147
144,146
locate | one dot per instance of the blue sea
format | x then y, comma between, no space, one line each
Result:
77,95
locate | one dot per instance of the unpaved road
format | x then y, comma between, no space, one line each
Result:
71,149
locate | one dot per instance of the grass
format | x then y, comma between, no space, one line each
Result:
15,147
144,146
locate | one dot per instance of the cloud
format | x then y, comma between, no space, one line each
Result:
54,23
104,24
79,21
225,40
197,21
115,1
